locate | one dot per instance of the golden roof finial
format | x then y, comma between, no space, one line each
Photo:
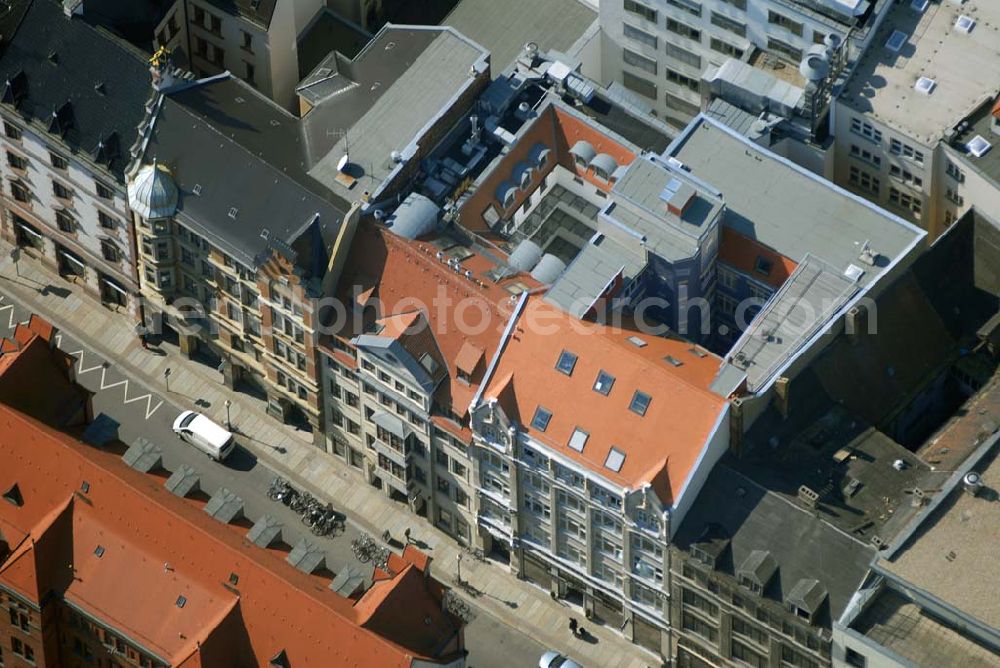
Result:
160,57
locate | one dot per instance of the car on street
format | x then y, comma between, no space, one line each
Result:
556,660
205,435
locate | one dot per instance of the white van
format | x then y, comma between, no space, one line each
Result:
205,435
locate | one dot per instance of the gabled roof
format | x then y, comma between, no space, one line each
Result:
123,533
94,82
402,278
680,414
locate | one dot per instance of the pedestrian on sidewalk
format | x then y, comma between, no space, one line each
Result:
406,534
140,331
574,626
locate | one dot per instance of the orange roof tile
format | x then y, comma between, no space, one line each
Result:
36,376
165,547
741,252
677,424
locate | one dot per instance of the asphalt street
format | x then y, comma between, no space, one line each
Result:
139,412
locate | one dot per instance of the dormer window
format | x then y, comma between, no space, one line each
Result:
640,403
540,421
604,382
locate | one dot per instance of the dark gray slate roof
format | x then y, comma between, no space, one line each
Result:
802,545
242,151
52,61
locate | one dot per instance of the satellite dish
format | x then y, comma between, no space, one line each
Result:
342,163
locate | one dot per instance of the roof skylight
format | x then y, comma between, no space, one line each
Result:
578,440
965,24
924,85
541,419
566,362
637,342
640,402
978,146
896,41
615,460
919,5
604,382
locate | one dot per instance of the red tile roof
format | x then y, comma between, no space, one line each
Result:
165,547
36,375
741,253
671,435
463,315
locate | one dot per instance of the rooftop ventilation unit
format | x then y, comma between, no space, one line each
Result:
919,5
972,482
854,272
924,85
965,24
978,146
233,212
896,41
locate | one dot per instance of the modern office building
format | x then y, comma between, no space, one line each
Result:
73,95
904,122
659,49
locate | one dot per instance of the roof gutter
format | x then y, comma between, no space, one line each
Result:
508,330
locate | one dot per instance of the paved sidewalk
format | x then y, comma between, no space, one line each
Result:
287,450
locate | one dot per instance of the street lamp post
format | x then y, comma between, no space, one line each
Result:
229,422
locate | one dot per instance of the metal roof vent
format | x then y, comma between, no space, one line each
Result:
196,190
972,482
233,212
978,146
181,601
965,24
896,41
925,85
265,234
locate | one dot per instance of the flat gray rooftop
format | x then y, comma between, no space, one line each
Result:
400,82
787,208
586,277
953,553
806,301
504,27
980,123
902,626
962,65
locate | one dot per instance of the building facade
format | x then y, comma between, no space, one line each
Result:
659,49
66,139
256,41
910,163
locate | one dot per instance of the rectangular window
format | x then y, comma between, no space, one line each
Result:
866,155
738,4
17,162
637,60
683,30
640,36
541,419
897,147
695,624
103,191
107,222
784,48
637,84
246,41
682,80
906,201
603,383
61,191
689,6
12,131
683,55
726,23
251,72
774,18
866,130
58,162
109,251
65,222
864,180
640,9
725,48
741,652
